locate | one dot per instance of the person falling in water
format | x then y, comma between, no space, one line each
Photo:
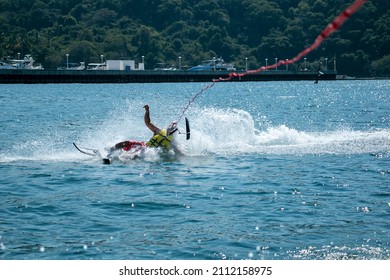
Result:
162,138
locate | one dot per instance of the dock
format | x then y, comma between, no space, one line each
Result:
24,76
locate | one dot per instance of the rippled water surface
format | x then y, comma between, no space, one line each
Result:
274,170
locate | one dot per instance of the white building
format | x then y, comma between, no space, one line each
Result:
120,65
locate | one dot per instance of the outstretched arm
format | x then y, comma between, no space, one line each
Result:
148,123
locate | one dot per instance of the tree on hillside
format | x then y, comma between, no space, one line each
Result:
163,30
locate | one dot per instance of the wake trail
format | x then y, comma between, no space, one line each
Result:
221,131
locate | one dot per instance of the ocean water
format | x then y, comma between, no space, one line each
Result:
273,170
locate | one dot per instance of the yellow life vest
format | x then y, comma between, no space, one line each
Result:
161,140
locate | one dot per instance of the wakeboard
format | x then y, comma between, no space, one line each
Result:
188,131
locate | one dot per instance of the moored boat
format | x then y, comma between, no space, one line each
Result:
217,64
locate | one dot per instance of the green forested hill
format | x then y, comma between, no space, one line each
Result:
163,30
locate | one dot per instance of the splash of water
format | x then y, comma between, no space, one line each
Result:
213,132
232,131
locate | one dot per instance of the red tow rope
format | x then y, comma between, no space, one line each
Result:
332,27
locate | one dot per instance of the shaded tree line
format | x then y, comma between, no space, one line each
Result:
163,30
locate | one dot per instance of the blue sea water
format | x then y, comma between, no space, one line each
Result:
273,170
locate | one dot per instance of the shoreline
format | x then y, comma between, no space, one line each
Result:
150,76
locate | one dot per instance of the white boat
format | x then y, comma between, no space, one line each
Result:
213,65
163,67
72,66
96,66
26,63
